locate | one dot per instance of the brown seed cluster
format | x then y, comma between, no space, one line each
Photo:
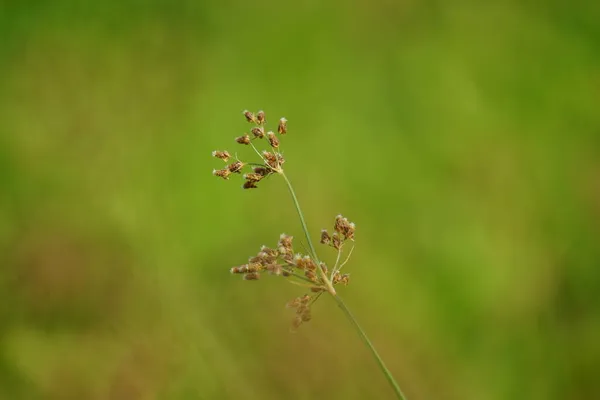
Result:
342,230
281,260
302,305
303,270
271,161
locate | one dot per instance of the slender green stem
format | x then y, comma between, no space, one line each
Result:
365,338
339,300
304,227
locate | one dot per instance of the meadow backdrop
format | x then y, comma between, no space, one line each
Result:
462,137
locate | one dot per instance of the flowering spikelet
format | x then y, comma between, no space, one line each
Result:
282,127
258,132
244,139
273,141
222,173
254,177
262,171
325,238
260,117
249,185
249,116
223,155
252,276
236,166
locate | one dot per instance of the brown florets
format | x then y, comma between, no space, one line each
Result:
273,141
253,177
258,132
262,171
252,276
223,155
222,173
249,116
244,139
260,118
282,127
236,166
325,238
344,227
249,185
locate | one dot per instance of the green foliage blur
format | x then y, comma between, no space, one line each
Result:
462,137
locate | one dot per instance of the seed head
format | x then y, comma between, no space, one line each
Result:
336,241
273,141
244,139
258,132
282,127
262,171
345,279
285,241
325,238
222,173
236,166
296,322
249,116
249,185
310,275
260,117
253,177
242,269
252,276
324,267
223,155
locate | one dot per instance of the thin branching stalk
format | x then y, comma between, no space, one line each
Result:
282,260
340,302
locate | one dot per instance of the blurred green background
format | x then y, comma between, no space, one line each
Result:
463,139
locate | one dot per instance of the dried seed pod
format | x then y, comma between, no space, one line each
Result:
222,173
249,116
324,268
244,139
255,267
345,279
242,269
252,276
306,316
262,171
269,251
282,127
285,240
273,141
271,159
305,299
249,185
325,238
336,241
310,275
296,322
309,263
336,278
223,155
294,303
236,166
260,117
280,158
258,132
317,289
339,224
274,268
253,177
349,232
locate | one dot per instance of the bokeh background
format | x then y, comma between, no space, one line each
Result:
462,137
